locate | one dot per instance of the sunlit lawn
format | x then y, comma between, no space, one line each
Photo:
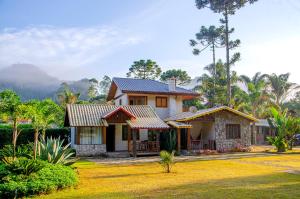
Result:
260,177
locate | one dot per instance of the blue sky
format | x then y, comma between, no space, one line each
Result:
85,38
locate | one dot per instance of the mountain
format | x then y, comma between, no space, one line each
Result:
29,81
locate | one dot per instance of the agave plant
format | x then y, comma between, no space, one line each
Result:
53,151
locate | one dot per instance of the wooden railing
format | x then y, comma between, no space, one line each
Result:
146,146
203,144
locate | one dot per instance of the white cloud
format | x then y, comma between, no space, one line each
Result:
59,49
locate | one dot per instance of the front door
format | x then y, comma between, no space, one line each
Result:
110,138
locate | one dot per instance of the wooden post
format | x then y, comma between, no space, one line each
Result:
104,134
129,138
77,132
189,139
178,140
134,143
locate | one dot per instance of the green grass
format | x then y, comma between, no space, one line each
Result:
260,177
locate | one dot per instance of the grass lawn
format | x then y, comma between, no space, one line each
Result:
260,177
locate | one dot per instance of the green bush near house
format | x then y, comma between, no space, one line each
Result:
49,178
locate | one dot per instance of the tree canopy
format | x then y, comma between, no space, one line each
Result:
181,76
144,70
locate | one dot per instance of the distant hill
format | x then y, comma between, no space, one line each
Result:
30,82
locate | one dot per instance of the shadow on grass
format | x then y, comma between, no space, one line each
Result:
277,185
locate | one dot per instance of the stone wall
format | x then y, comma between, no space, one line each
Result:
90,149
225,117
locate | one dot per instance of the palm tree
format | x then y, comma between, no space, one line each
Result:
258,96
280,88
67,96
213,88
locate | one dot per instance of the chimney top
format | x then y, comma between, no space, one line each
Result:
172,84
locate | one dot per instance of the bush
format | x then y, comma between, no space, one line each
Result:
49,178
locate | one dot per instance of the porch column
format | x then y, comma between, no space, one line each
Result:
134,143
189,139
129,138
104,135
178,140
77,132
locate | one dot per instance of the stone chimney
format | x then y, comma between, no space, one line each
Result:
172,84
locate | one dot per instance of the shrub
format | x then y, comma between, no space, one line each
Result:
54,152
49,178
24,150
25,166
167,160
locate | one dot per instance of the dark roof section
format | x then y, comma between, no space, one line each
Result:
130,85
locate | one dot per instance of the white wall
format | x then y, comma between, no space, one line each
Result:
174,103
72,137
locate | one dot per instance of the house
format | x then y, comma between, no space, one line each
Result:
145,109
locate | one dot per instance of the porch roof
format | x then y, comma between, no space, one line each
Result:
186,116
179,125
147,123
94,115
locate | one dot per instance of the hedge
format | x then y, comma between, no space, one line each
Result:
27,134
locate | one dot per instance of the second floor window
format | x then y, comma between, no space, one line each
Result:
137,100
162,102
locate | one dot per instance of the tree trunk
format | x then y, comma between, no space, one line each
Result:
44,134
227,57
215,73
36,136
14,138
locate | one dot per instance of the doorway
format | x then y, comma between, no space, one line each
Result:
110,138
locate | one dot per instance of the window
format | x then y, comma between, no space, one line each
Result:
137,100
152,135
90,135
162,102
233,131
120,102
125,133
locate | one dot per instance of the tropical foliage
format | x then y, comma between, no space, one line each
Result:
286,127
226,8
